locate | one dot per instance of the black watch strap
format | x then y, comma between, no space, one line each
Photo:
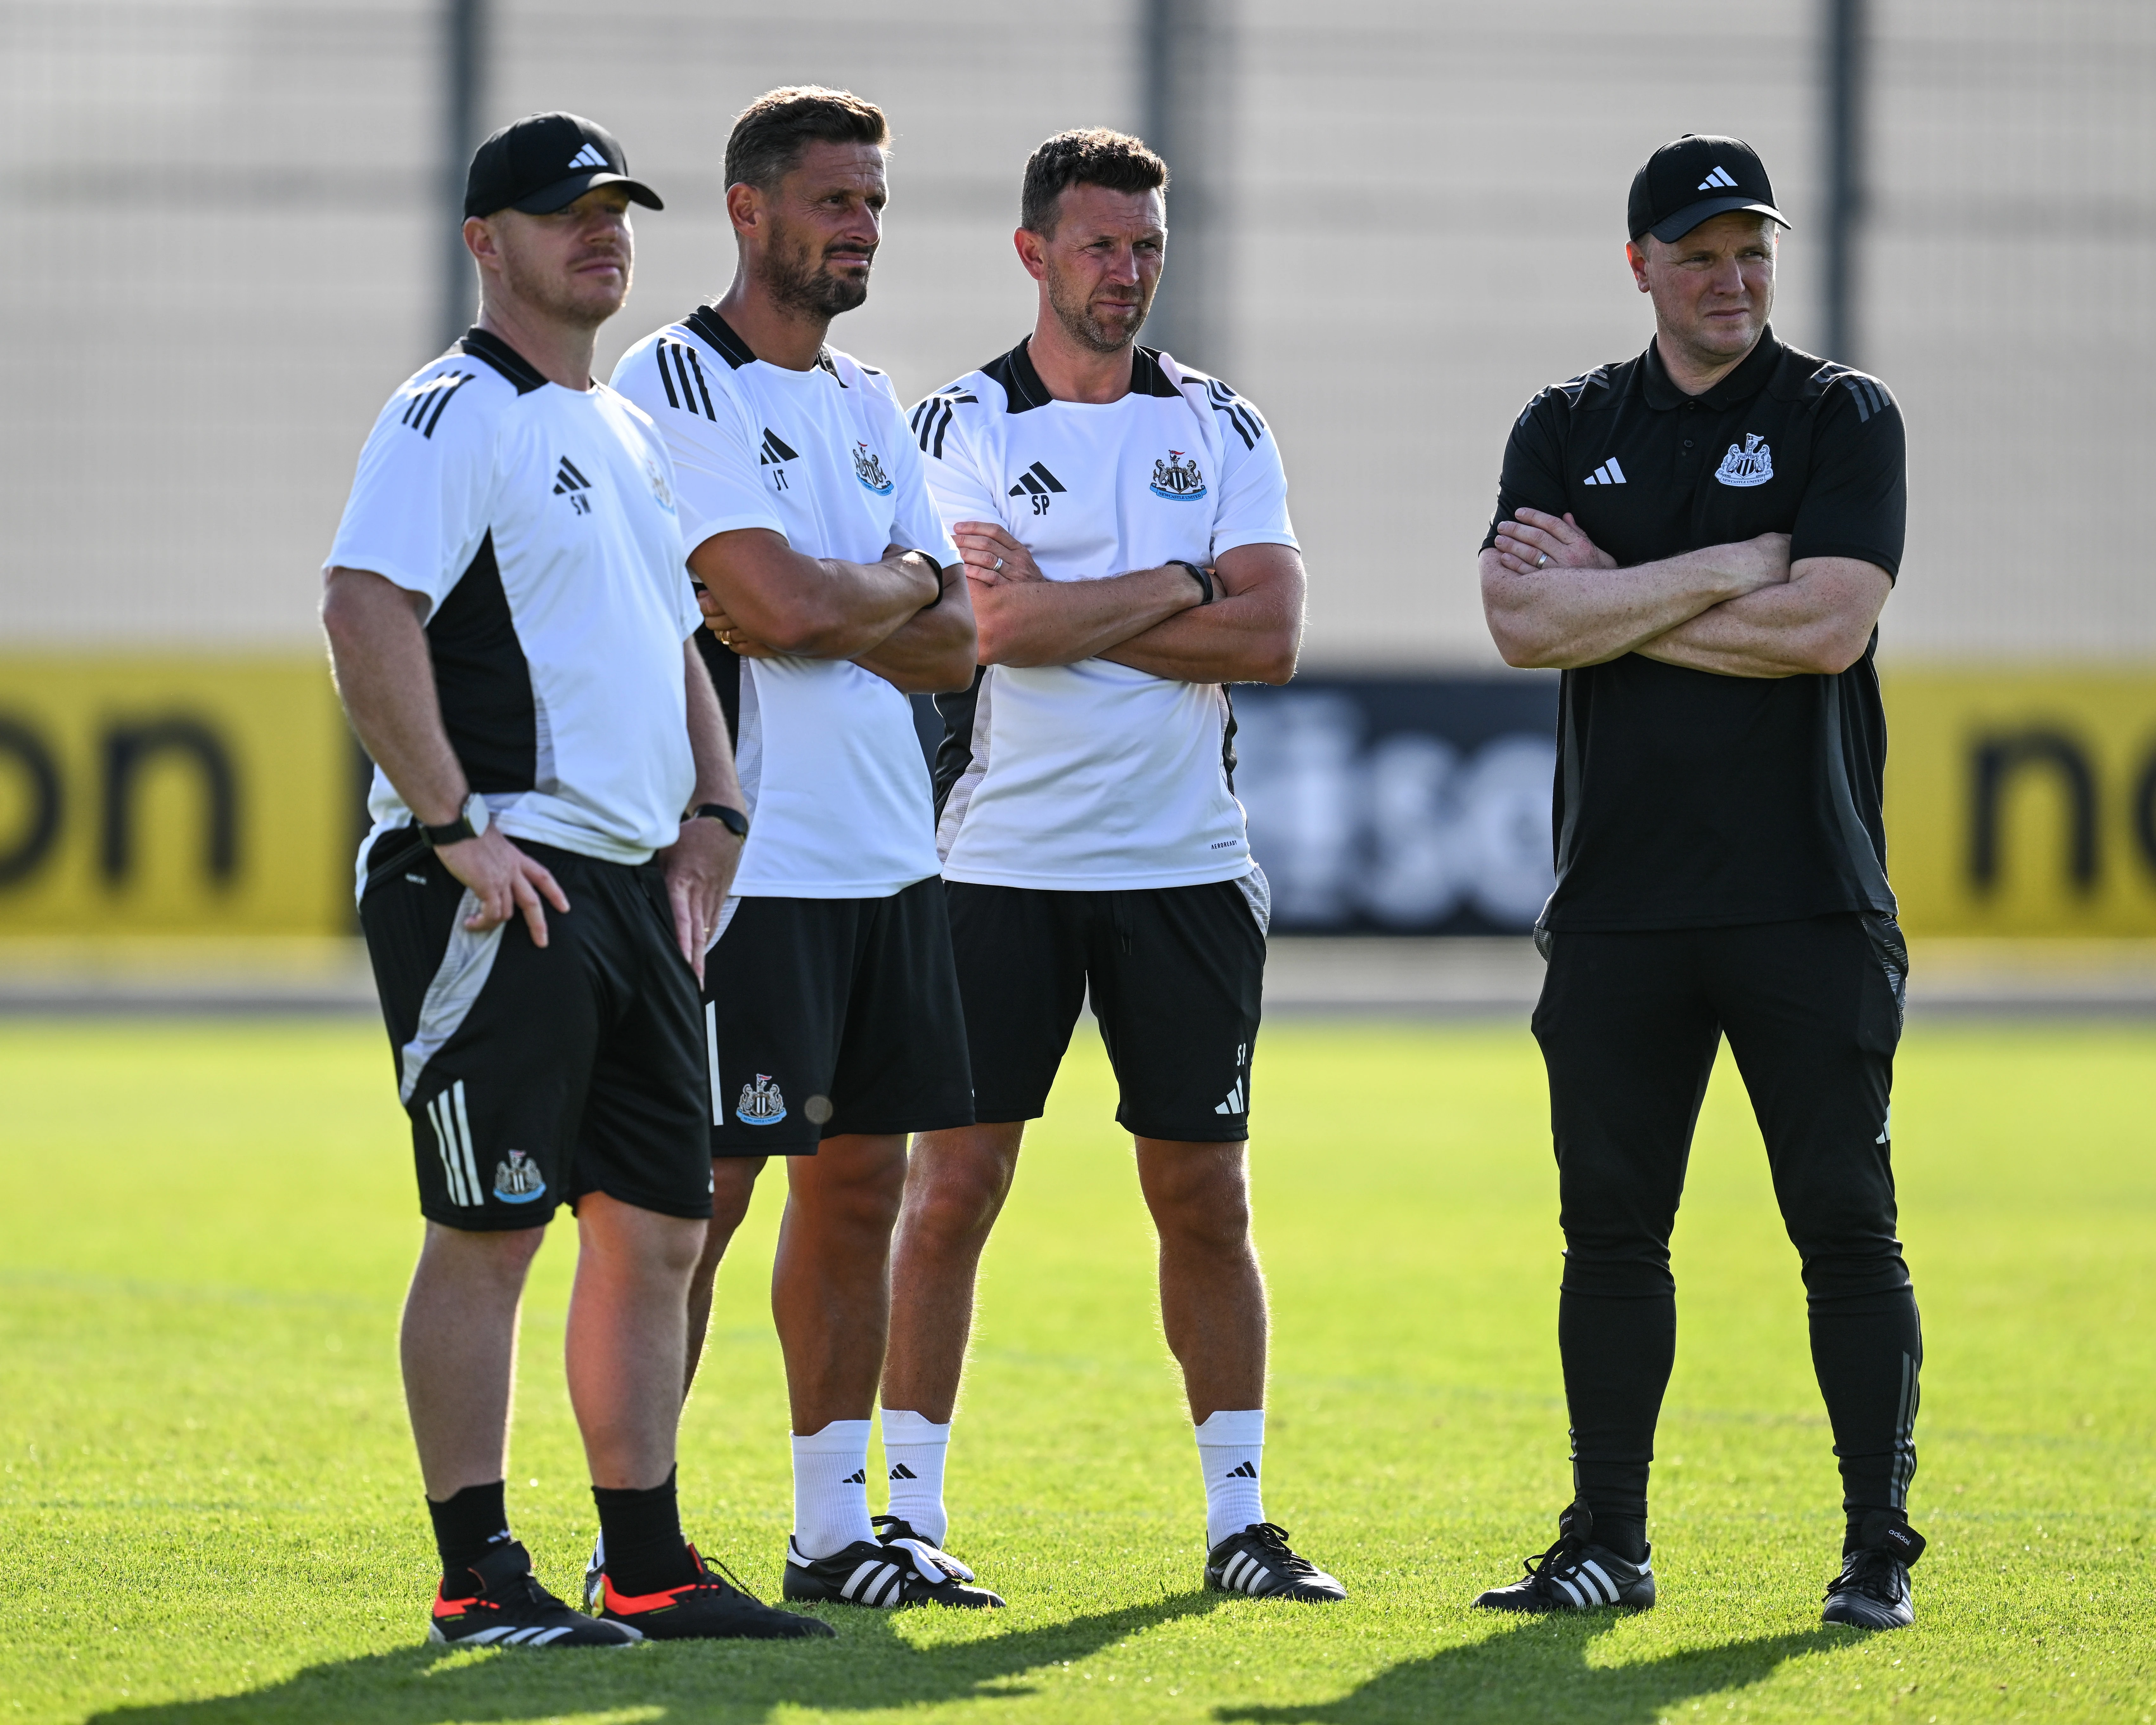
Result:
732,820
452,832
1204,581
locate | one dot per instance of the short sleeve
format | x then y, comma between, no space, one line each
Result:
958,487
420,503
1532,477
718,483
916,523
1856,502
1253,483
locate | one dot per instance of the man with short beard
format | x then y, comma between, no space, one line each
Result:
507,616
1123,518
831,1016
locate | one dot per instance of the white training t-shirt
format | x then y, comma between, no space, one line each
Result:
1094,776
830,763
539,525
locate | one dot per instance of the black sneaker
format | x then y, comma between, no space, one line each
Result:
1872,1591
868,1572
1573,1575
1257,1562
507,1607
711,1608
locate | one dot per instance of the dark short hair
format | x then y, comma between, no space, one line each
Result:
1095,157
771,132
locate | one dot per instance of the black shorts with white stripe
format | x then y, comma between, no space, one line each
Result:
534,1077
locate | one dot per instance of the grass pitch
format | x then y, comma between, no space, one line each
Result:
209,1512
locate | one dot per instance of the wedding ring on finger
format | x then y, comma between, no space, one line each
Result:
998,568
1542,562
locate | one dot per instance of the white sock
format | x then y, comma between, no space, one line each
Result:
914,1448
831,1488
1230,1446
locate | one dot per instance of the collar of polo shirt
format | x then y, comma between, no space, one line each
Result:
1747,380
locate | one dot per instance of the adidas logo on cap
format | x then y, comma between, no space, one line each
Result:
589,157
1718,181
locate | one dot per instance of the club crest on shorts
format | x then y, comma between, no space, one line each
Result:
761,1103
517,1180
1177,477
869,471
1753,464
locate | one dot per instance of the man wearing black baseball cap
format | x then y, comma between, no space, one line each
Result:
1702,538
513,634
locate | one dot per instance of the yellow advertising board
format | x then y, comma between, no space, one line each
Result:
171,794
2022,803
210,795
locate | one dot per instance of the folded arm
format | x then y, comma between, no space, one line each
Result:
1818,623
1579,608
815,607
1251,633
935,650
1025,618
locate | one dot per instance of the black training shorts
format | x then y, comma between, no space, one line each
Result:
830,1015
534,1077
1177,974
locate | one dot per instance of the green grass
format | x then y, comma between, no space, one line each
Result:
209,1509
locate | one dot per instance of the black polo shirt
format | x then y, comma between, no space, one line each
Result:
1685,799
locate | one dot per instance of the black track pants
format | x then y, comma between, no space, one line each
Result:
1629,1024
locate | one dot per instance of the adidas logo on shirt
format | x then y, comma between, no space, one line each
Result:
775,455
1718,181
572,484
1037,482
1609,474
589,157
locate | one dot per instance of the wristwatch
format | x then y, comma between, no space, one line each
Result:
732,820
470,822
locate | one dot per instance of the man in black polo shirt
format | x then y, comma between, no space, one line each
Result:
1703,538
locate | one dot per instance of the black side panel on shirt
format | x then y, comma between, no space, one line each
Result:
492,350
483,681
1685,799
724,664
955,753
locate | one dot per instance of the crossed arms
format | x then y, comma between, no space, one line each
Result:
763,600
1739,610
1153,620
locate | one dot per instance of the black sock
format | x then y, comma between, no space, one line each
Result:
644,1550
467,1524
1868,1350
1618,1353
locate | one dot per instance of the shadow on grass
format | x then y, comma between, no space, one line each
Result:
1538,1671
724,1682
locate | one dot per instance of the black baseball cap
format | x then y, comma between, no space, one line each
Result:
1697,176
544,163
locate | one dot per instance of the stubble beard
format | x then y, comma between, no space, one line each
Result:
1088,331
558,297
796,279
